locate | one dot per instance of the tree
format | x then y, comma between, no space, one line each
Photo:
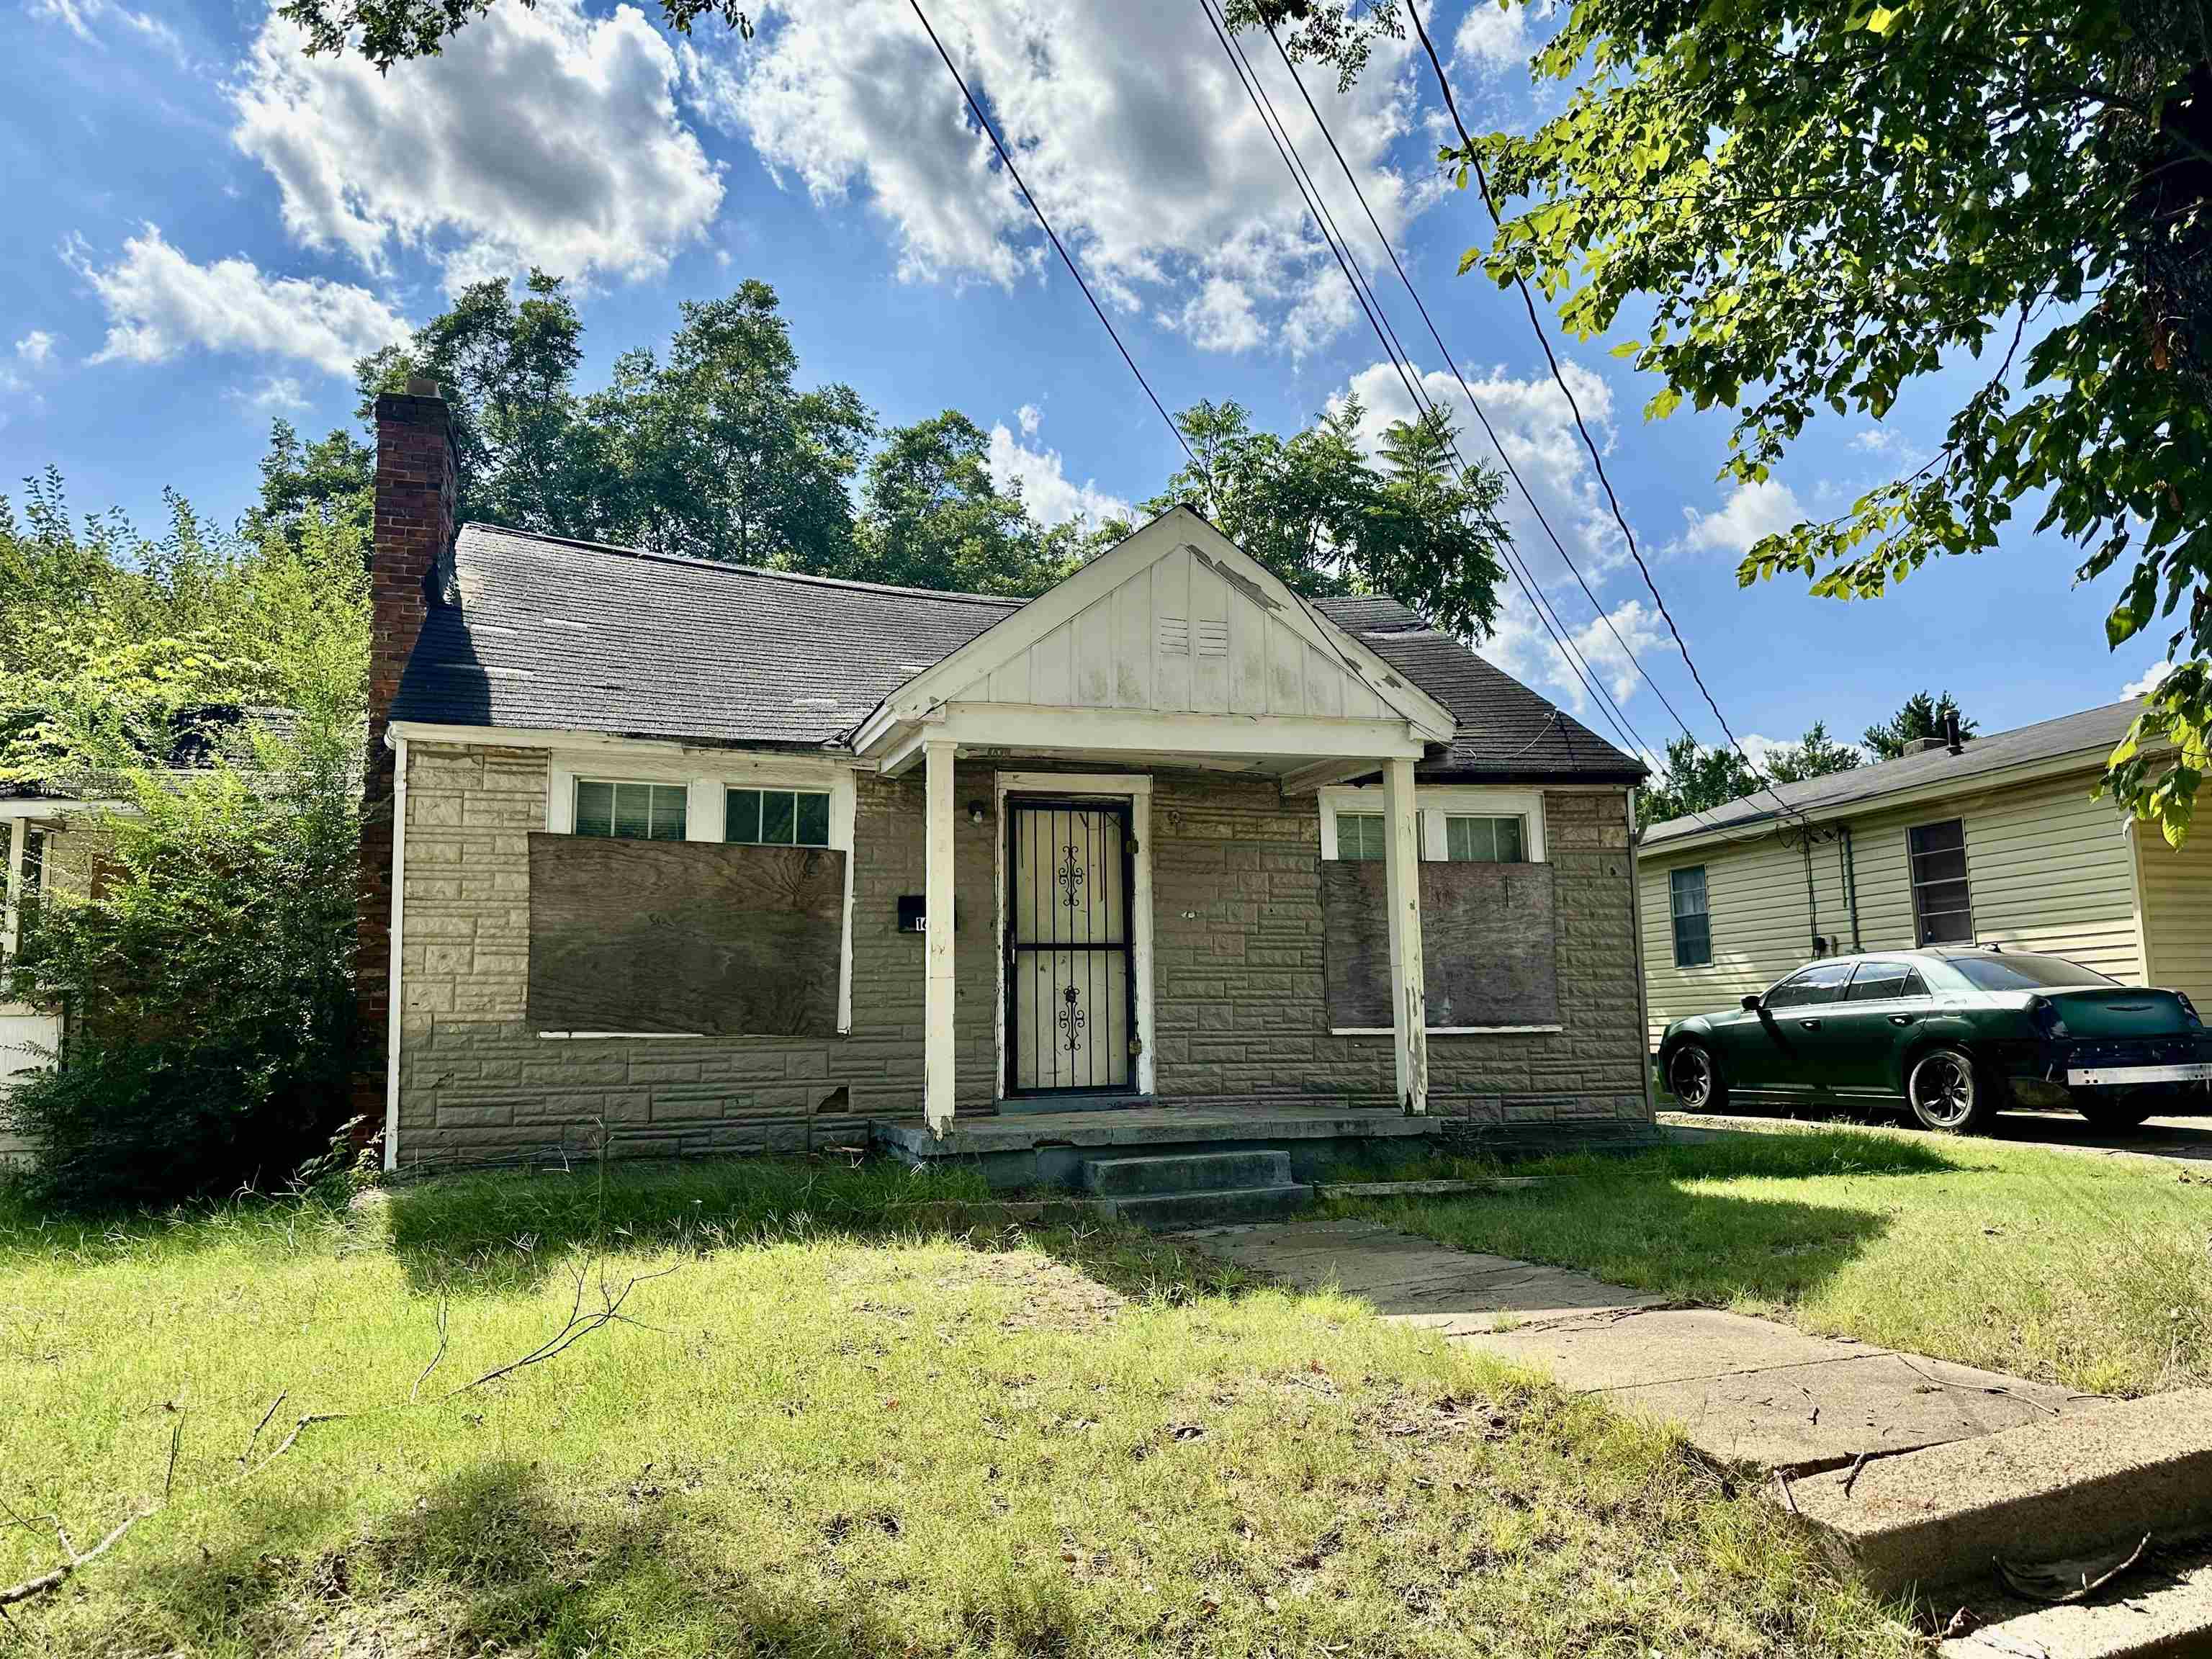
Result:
931,516
1819,206
1814,755
1921,717
385,31
1695,780
332,481
1318,513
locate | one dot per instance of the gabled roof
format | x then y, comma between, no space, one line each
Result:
2085,738
556,635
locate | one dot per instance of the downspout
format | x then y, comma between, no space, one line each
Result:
397,743
1846,856
1811,902
1642,985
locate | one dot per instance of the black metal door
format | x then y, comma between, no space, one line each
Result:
1071,1009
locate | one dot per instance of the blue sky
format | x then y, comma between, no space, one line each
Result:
207,227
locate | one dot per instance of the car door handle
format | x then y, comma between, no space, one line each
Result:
1810,1024
1903,1019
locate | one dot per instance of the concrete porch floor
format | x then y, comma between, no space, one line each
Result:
1020,1149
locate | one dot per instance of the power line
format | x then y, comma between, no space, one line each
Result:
1029,197
1360,195
1561,637
1482,183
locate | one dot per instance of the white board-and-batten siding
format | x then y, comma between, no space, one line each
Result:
2048,868
1186,635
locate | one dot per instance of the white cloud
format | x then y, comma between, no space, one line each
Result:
1127,120
1493,37
539,135
35,348
1879,440
159,303
275,394
1752,511
1052,497
81,16
2150,680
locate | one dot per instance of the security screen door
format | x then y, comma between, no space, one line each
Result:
1069,988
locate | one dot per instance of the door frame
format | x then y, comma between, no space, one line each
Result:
1136,789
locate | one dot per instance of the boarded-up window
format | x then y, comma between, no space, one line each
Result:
684,936
1488,943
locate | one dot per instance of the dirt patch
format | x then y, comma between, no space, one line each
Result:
1053,1294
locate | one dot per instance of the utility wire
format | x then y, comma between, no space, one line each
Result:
1325,223
1528,299
1029,197
1473,402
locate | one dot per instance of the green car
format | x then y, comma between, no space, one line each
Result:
1952,1035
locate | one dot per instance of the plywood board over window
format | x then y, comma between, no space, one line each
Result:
684,936
1488,945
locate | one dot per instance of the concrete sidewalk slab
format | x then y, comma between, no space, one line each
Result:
1744,1390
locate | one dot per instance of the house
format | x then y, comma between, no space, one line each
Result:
1994,841
714,858
44,847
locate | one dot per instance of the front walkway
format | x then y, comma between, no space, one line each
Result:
1745,1390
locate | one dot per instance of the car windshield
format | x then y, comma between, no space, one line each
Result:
2025,973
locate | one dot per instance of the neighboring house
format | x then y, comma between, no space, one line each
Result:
1997,841
718,857
37,852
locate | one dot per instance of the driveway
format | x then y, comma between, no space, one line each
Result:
2189,1139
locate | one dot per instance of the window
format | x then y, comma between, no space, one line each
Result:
777,817
1822,983
1359,834
2025,973
1482,841
1885,981
1942,908
1694,923
638,811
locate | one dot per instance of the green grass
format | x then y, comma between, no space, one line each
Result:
852,1422
2094,1273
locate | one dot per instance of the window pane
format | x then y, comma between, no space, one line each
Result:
1824,984
776,818
1359,834
1937,837
1877,982
595,808
742,822
1507,832
1686,889
671,802
2025,973
634,809
1694,941
813,820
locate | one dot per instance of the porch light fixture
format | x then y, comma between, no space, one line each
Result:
975,812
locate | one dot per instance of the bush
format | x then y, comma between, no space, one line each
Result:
206,978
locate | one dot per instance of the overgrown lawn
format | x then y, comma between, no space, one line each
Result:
858,1417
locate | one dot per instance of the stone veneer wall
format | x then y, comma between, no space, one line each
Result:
1238,973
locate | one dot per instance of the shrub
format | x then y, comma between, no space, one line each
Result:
207,976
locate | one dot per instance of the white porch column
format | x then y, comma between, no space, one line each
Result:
937,1046
11,887
1401,879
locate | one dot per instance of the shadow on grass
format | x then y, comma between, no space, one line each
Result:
1652,1221
493,1560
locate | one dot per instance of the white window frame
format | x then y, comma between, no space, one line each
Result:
1434,804
706,777
583,778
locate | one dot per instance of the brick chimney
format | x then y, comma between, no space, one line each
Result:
417,480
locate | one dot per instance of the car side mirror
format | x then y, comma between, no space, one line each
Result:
1751,1003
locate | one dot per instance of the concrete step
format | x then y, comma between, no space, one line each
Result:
2162,1607
1184,1172
2067,1485
1167,1213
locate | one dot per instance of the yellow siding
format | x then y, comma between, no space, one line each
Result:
2047,866
2176,902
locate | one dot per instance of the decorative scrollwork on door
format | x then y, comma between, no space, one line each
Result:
1072,1021
1071,877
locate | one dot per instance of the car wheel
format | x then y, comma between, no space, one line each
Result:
1944,1091
1694,1078
2124,1109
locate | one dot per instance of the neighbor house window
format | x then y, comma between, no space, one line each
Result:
778,818
1484,839
1943,907
1693,922
1359,834
637,811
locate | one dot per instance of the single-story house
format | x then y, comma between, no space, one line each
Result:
707,857
39,852
1998,840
